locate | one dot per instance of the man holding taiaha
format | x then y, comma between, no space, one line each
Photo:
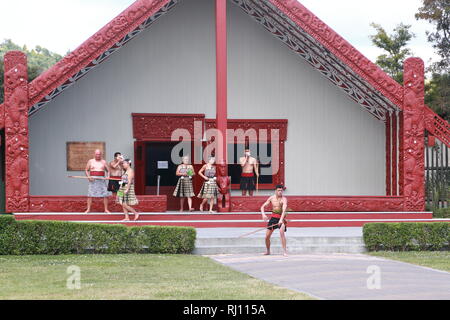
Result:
97,167
249,167
116,170
278,218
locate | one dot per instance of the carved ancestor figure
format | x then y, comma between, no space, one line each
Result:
224,183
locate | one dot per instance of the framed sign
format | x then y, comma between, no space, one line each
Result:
79,153
163,164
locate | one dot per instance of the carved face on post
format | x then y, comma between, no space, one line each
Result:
222,169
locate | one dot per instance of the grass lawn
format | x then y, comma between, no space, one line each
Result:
131,276
433,259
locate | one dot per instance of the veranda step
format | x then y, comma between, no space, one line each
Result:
293,241
276,249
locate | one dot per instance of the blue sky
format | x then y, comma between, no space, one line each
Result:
63,25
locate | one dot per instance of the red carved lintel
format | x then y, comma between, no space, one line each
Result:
161,126
16,132
260,127
413,135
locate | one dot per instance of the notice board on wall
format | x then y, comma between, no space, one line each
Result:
79,153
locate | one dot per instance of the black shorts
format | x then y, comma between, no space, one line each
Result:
248,183
113,186
273,221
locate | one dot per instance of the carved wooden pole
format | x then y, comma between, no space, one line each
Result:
221,79
413,135
16,132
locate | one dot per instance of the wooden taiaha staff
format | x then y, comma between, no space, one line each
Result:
260,229
95,177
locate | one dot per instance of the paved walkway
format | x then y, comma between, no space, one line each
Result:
345,276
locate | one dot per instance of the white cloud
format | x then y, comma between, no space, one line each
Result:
57,25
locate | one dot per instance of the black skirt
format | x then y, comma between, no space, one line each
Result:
273,221
248,183
113,186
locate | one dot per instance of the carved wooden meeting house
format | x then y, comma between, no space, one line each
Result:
350,138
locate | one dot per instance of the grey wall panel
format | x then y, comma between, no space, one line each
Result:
334,147
169,67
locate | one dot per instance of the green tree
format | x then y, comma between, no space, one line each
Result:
437,12
39,60
437,94
395,46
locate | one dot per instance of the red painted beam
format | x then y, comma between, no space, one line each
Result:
388,154
394,155
221,77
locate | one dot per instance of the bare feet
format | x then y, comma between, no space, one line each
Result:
267,254
136,216
181,210
107,211
125,219
191,209
285,254
87,211
201,208
212,211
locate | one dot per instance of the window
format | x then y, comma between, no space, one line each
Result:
263,153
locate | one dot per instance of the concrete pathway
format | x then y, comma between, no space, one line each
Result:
345,276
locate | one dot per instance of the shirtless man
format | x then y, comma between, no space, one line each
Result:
115,172
96,167
278,218
249,167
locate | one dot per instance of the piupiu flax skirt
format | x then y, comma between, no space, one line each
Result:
98,189
127,198
209,190
184,188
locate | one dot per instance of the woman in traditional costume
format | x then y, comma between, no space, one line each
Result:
209,191
126,196
184,188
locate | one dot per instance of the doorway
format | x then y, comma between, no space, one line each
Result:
156,170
